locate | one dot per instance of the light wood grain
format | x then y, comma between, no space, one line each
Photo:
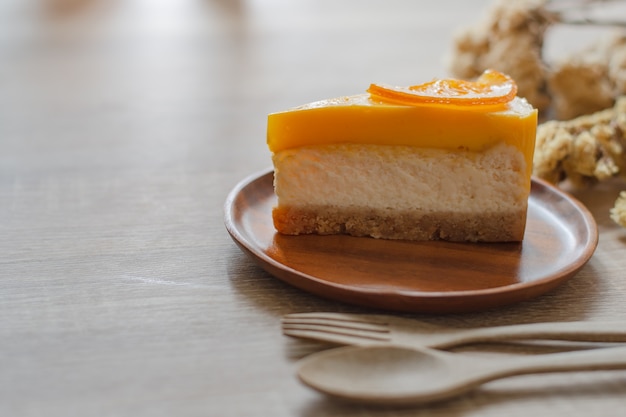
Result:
124,125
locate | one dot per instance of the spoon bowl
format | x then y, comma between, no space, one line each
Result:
380,374
392,375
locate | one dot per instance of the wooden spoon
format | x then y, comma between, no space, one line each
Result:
392,375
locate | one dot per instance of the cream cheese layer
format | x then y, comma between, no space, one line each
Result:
402,178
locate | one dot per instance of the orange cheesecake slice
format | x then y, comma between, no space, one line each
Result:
447,159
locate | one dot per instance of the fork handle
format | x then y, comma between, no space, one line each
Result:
602,331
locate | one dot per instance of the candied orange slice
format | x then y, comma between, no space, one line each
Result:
491,88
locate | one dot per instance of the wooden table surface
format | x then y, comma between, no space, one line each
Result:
124,125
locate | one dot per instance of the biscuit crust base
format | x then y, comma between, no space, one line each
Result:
408,225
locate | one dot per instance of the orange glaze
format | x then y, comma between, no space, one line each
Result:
372,119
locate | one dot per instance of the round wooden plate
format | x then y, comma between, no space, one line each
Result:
427,277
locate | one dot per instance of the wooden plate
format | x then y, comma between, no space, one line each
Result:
427,277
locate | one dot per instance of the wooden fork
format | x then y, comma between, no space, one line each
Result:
363,329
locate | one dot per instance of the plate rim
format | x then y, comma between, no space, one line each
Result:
552,280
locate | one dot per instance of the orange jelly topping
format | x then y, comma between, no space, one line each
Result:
441,114
491,88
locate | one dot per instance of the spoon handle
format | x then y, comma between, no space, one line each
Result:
571,331
611,358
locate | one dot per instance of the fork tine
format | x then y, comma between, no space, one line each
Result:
332,323
335,337
338,318
376,334
336,327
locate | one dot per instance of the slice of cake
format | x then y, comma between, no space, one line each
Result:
444,160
